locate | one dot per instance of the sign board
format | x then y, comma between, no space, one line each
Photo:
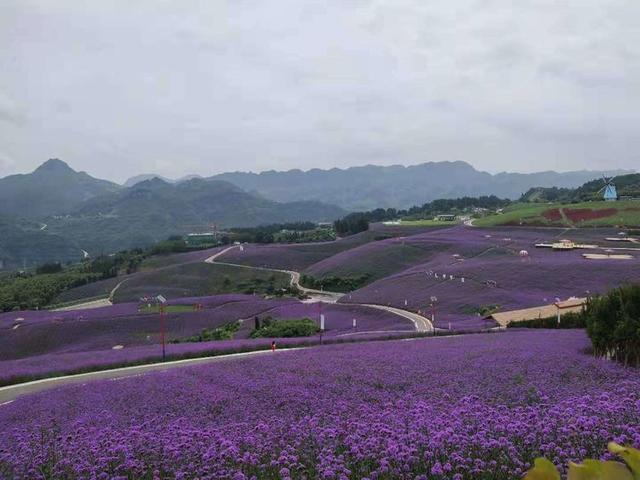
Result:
322,321
354,323
161,299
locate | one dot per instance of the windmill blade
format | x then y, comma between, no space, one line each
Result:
603,188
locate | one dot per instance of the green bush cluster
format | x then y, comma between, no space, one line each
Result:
22,292
568,320
613,324
271,328
335,284
225,332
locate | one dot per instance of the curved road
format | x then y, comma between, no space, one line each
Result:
422,324
102,302
10,392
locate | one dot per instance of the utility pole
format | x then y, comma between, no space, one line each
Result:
162,301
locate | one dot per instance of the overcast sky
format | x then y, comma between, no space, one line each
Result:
118,88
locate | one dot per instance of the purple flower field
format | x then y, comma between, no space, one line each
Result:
468,407
56,364
495,274
61,342
339,317
302,255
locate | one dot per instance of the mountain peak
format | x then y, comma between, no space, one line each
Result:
54,165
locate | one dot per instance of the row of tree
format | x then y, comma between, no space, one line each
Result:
359,221
292,232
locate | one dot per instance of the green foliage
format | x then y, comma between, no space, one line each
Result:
613,324
171,245
282,233
543,469
352,224
359,221
49,268
482,310
23,291
568,320
304,327
626,185
335,284
225,332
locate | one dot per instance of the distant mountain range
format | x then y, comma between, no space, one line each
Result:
55,212
150,176
369,187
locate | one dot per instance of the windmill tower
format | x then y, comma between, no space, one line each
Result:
609,189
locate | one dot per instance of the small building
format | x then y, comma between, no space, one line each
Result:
445,218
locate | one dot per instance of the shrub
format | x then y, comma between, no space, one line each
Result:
335,284
613,324
568,320
225,332
304,327
49,268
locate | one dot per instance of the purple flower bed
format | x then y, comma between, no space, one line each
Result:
471,407
56,364
50,342
119,325
31,317
302,255
339,318
520,282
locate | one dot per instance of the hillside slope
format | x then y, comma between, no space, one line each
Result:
152,210
52,188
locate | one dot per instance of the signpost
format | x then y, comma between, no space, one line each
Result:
434,299
162,301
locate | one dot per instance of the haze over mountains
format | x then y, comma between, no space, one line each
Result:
398,186
56,213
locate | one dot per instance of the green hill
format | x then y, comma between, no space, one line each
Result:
626,185
153,210
585,214
53,188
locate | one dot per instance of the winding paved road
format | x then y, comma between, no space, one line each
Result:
422,324
11,392
102,302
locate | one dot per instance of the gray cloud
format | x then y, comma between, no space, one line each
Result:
118,88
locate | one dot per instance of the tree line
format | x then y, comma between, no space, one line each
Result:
359,221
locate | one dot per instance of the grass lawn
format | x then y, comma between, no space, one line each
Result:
587,214
168,309
427,223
